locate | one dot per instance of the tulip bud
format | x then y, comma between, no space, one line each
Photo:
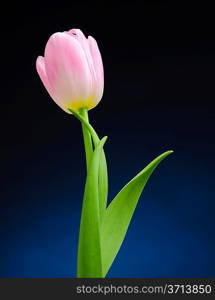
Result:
72,70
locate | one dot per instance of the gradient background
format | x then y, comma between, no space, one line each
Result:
159,60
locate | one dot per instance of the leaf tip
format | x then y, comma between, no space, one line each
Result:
104,139
169,151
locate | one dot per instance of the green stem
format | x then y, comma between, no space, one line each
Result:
87,137
103,175
83,119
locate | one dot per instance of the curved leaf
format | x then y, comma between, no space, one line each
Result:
119,213
103,185
89,250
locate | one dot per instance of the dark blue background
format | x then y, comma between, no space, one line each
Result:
159,62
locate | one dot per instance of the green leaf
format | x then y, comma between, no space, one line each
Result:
89,250
119,213
103,185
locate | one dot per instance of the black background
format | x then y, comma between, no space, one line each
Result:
159,61
157,55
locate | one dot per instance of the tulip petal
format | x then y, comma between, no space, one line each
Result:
94,60
98,67
80,37
40,66
67,70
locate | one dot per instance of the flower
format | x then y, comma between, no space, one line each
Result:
72,70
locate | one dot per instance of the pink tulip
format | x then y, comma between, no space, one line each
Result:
72,70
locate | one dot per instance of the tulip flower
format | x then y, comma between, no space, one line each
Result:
72,70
